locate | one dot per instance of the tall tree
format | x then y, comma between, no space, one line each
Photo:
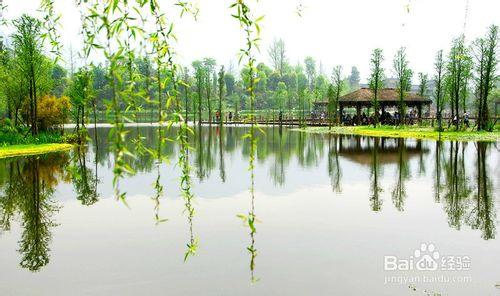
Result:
79,94
209,65
185,88
230,82
338,86
458,68
221,92
331,104
403,83
439,91
354,78
310,71
277,55
376,80
199,76
485,52
27,41
423,81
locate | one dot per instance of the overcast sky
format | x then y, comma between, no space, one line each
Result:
333,32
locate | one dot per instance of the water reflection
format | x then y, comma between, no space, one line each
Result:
28,191
457,185
460,174
483,214
334,169
84,179
402,175
375,172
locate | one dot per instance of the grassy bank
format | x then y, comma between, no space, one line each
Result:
408,132
31,149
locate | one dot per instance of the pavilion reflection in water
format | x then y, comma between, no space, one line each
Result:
360,149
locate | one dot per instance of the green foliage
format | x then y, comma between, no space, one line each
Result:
403,76
458,73
10,135
376,78
251,26
52,111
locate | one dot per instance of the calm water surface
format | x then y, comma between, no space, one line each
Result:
331,211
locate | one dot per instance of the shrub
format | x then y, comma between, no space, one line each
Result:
52,111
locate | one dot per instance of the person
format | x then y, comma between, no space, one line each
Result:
365,119
466,119
230,116
217,116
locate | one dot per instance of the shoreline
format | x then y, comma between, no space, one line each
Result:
421,133
32,149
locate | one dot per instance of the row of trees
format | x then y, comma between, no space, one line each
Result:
29,76
467,75
30,81
36,92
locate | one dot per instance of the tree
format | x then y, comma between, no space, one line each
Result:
354,78
13,84
209,65
221,92
331,104
403,76
230,83
277,55
458,69
101,87
60,81
422,90
185,88
80,95
310,71
423,79
199,75
27,43
439,93
280,95
485,52
338,86
376,79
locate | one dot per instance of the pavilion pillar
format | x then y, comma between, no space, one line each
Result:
358,114
419,108
340,116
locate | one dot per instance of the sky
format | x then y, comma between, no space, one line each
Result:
333,32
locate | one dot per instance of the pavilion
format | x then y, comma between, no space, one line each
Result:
387,97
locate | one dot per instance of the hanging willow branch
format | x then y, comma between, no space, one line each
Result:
51,25
251,28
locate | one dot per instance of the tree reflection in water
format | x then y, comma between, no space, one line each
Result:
83,178
402,174
334,169
456,184
375,172
483,215
28,193
463,184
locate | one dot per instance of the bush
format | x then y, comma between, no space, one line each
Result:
12,136
52,111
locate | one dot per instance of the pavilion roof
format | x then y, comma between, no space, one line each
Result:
386,95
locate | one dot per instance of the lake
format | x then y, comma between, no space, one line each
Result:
333,215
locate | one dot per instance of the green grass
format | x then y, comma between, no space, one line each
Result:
32,149
409,132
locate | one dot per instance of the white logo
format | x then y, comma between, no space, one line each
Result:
427,258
